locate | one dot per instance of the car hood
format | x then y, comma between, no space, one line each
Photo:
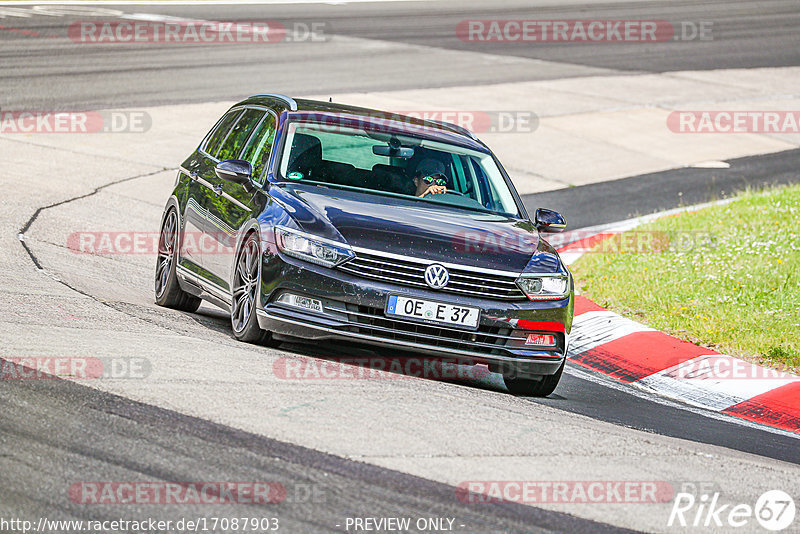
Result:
418,229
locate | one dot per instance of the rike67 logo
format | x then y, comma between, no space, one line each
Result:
774,511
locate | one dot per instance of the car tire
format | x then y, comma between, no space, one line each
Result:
245,287
167,288
530,387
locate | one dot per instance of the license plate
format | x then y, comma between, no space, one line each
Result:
432,312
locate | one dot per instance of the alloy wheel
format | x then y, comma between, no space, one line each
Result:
245,284
167,243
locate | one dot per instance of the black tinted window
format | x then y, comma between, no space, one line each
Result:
222,129
233,145
258,149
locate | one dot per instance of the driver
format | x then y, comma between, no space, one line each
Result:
429,178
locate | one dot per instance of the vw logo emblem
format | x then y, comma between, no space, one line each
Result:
436,276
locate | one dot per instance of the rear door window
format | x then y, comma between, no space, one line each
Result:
220,132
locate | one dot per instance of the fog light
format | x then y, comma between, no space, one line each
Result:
541,340
299,301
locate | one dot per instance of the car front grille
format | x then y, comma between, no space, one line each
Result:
411,272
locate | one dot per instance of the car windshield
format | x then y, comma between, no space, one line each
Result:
395,164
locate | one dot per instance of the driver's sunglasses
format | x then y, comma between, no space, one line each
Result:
438,179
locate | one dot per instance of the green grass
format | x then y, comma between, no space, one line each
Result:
726,277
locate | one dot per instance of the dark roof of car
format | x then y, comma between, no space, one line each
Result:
303,104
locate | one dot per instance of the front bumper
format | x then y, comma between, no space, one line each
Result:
353,310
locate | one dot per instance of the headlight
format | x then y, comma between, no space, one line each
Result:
310,248
544,287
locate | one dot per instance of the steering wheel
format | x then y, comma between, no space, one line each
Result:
454,192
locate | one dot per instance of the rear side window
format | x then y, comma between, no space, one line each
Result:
234,143
221,131
258,149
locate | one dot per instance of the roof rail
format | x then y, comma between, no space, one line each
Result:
287,99
457,128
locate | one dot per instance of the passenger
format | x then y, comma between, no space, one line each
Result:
429,178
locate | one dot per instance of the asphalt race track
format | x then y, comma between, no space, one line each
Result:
211,409
42,74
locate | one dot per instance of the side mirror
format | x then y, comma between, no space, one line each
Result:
549,221
234,170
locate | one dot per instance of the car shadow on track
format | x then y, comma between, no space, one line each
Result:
341,360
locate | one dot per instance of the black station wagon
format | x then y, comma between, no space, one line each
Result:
315,220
